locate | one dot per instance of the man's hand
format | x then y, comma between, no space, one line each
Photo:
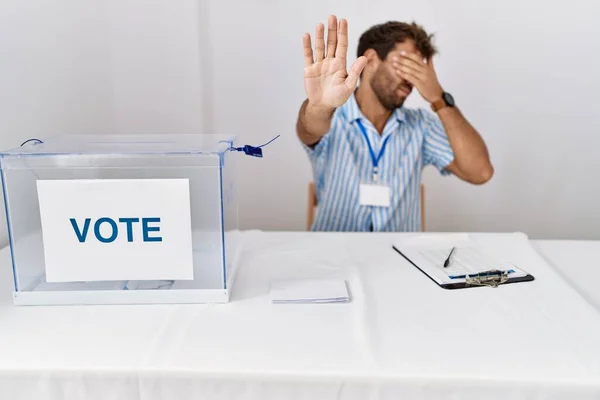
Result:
420,74
471,158
328,85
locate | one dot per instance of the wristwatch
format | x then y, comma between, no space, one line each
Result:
446,101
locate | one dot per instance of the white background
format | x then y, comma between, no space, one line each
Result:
525,72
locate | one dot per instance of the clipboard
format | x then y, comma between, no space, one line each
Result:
489,278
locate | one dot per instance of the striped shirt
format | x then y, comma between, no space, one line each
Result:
341,161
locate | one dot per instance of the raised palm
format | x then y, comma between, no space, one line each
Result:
326,80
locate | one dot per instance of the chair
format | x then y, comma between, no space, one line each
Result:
313,203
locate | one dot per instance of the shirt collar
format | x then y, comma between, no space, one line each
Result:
352,111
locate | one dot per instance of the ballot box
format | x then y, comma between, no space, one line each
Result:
121,219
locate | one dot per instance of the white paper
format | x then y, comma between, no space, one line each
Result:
309,291
467,259
464,260
374,195
74,253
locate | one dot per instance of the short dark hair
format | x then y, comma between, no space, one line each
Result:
383,37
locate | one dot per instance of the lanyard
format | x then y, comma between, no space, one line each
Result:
375,159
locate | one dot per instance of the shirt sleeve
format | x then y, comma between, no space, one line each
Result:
436,147
319,151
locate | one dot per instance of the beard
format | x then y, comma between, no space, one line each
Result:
389,100
386,94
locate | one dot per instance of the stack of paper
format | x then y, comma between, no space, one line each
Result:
464,260
309,291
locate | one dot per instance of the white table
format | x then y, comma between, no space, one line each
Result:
578,262
400,337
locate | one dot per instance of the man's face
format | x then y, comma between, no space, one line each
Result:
390,89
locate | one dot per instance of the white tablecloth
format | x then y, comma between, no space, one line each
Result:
401,337
578,262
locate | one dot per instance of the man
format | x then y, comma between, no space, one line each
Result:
367,150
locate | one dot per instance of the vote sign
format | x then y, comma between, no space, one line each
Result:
116,229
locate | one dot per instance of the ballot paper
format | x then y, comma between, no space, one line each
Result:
464,260
309,291
148,285
467,260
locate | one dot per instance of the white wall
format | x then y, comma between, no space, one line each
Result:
524,72
98,66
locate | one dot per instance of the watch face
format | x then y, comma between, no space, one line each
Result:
448,99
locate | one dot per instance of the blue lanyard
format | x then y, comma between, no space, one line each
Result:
375,159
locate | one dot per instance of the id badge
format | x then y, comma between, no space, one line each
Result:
374,195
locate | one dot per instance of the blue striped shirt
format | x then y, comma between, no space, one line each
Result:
341,162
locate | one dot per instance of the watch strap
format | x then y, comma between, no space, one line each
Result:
438,105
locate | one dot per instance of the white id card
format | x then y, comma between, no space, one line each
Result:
374,195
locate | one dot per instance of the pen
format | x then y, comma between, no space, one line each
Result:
447,262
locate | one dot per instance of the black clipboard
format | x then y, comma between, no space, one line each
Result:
488,279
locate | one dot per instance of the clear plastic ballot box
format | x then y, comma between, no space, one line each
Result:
121,219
